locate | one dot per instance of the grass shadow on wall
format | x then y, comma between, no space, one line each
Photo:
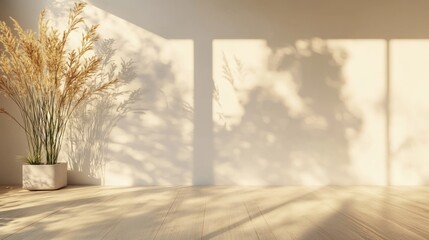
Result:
93,121
114,148
154,148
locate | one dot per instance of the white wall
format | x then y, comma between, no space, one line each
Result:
306,93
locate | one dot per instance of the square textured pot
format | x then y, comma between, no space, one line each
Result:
44,177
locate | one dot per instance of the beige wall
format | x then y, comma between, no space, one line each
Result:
306,93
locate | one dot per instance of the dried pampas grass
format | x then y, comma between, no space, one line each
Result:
46,80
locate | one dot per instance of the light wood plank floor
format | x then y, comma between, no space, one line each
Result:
215,213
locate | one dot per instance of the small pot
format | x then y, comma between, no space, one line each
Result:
44,177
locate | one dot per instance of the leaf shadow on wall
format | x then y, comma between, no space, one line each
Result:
295,140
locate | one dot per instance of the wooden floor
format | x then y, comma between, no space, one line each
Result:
216,213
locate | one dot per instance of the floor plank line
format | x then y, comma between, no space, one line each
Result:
284,209
46,228
147,211
168,212
32,212
204,218
258,221
364,213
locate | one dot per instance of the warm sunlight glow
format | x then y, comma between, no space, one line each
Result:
410,112
364,72
309,113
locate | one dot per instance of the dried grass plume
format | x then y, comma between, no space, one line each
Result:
47,80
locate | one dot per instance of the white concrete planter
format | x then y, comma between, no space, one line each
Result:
44,177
